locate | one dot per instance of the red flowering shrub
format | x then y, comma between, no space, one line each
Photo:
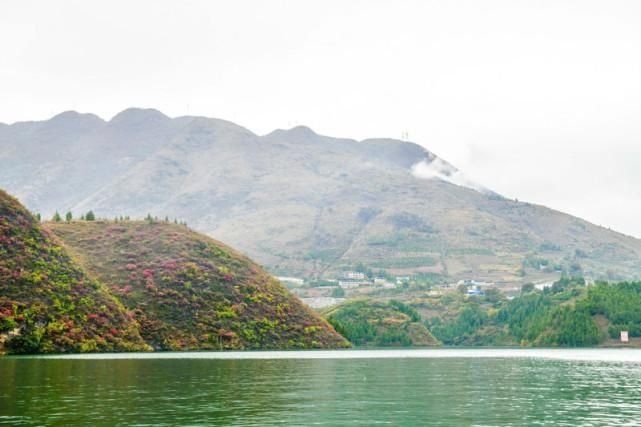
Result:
169,265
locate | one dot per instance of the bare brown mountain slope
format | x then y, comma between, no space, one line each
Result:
301,203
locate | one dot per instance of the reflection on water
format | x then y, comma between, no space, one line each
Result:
457,387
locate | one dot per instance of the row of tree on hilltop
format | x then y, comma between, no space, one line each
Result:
90,216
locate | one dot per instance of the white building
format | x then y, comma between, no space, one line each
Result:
402,279
349,284
291,280
625,337
353,275
322,302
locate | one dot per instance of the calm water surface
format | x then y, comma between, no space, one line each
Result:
443,387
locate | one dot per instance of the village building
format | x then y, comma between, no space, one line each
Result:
353,275
295,281
625,338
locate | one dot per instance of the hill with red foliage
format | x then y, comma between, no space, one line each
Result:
48,304
96,286
190,292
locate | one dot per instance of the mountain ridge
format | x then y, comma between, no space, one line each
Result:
307,204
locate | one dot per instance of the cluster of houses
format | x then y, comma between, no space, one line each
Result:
327,295
294,281
354,279
351,280
474,287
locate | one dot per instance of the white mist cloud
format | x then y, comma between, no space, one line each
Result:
440,169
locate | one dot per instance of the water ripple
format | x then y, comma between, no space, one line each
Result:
469,388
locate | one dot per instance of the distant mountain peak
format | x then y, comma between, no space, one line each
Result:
74,116
210,122
302,130
297,132
70,114
138,116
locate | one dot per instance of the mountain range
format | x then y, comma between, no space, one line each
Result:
301,203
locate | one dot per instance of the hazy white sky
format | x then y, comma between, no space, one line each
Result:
537,100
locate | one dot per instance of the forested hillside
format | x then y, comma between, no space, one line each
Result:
569,313
47,302
371,323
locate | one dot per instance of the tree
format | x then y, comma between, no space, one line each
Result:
362,268
68,217
528,287
90,216
493,295
338,292
38,217
56,217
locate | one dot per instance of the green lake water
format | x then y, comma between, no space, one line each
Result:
444,387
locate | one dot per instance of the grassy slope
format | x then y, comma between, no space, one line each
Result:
188,291
367,322
47,303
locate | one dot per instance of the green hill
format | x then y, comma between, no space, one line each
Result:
47,303
190,292
567,314
367,322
